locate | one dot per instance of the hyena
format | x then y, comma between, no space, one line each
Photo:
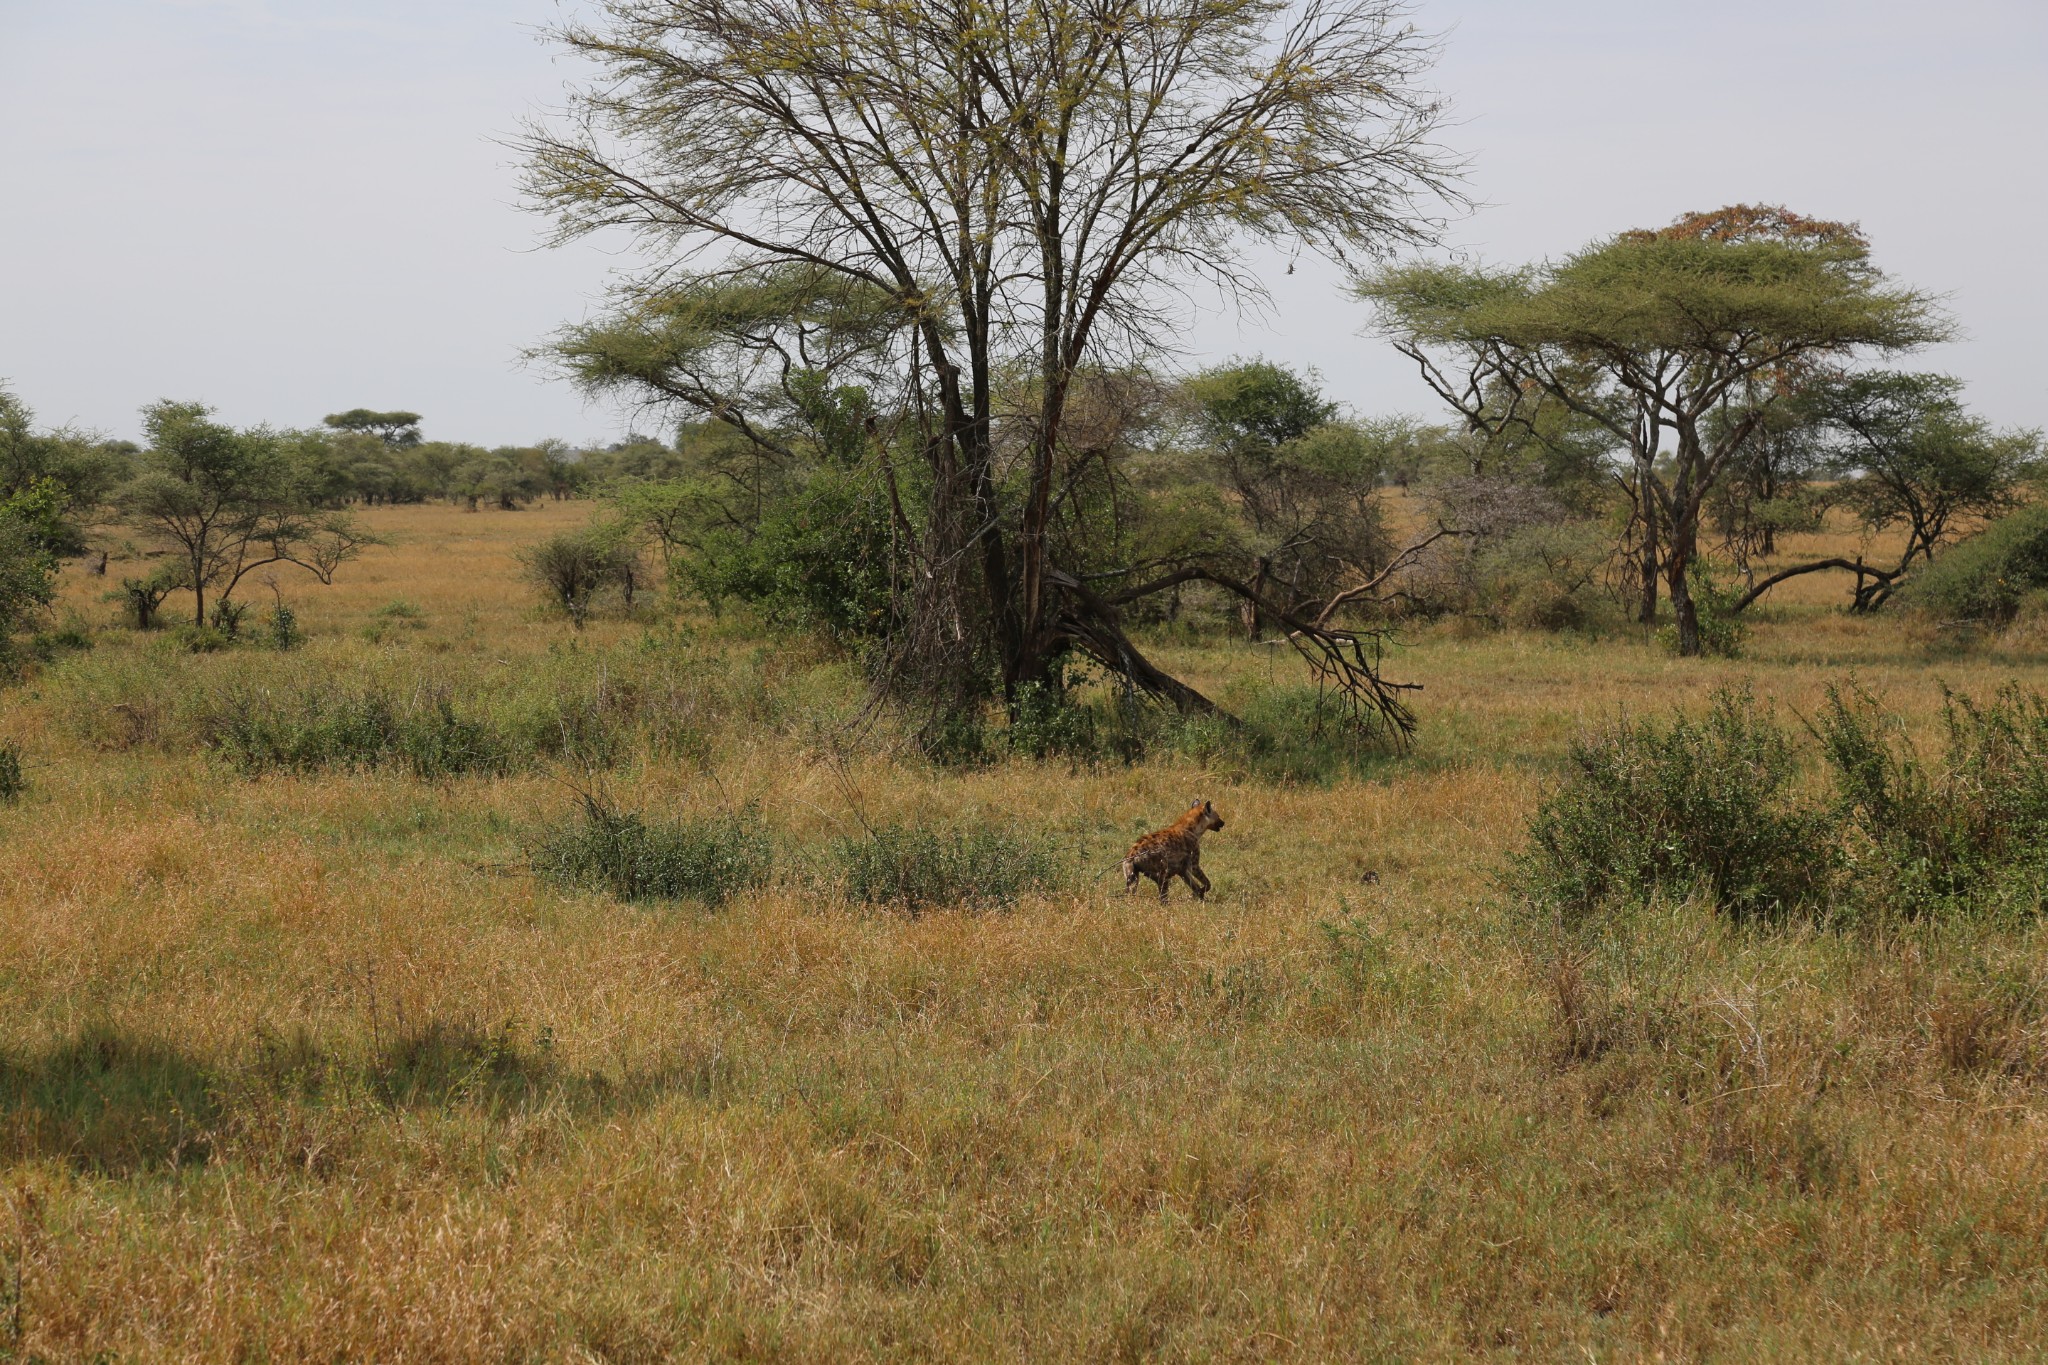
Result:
1175,851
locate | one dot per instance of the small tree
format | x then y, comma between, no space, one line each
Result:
1909,457
574,568
231,502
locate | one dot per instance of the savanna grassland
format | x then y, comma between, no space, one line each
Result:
302,1061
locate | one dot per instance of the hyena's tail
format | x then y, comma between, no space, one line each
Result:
1126,870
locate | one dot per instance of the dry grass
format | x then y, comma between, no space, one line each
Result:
307,1067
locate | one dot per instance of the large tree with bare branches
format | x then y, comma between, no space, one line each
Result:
971,206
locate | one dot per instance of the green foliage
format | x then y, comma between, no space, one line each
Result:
227,617
915,868
633,859
1968,834
1048,718
1692,807
322,727
283,629
12,782
1542,576
1712,808
1254,407
1912,457
1721,630
819,560
229,502
1986,577
400,430
573,569
54,479
143,597
28,575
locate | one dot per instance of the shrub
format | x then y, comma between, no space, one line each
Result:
573,569
1691,807
1967,833
228,616
1721,630
1049,719
144,597
1988,576
819,559
1543,576
12,782
28,575
623,854
915,868
284,629
321,727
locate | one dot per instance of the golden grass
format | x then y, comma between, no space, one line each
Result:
307,1067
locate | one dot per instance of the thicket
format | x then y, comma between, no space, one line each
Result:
624,854
1722,809
1988,577
915,868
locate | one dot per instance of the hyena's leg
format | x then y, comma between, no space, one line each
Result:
1165,880
1200,888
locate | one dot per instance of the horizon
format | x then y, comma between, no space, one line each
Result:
283,212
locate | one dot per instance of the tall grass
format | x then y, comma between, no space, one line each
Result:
915,868
312,1070
604,849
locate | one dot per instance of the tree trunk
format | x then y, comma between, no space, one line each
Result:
1682,606
1248,611
1646,612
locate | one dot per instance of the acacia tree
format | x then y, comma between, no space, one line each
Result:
398,430
1015,190
1909,456
1678,341
230,502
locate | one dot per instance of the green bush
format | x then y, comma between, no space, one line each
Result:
1712,808
1544,576
1721,630
319,727
199,639
623,854
574,569
1967,833
284,629
819,559
12,782
1988,576
915,868
1702,807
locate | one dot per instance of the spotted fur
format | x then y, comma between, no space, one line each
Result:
1175,851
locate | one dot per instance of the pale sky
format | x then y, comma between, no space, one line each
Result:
288,207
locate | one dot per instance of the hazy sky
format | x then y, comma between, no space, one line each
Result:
288,207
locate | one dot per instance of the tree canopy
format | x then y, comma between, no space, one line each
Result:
944,219
1677,342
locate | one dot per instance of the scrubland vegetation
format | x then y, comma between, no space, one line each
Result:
660,902
460,985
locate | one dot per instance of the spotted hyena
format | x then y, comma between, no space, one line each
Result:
1175,851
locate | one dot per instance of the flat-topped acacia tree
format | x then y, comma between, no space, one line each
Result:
1677,341
970,206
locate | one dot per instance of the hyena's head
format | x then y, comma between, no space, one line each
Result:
1205,815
